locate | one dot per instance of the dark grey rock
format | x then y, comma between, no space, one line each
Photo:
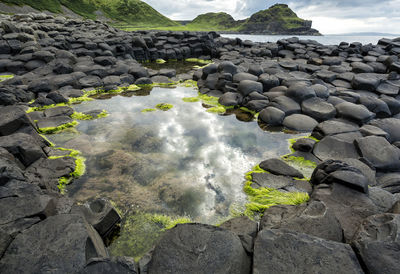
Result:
279,167
248,86
12,118
277,251
90,81
366,81
143,81
359,67
55,121
333,127
390,182
379,152
313,218
116,265
304,144
230,99
268,81
272,116
331,147
377,243
196,248
58,111
375,105
369,130
238,77
59,244
300,92
391,126
286,104
318,109
357,113
300,122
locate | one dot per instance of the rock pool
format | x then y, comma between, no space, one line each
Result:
181,162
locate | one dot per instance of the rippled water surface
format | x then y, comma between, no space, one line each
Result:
180,162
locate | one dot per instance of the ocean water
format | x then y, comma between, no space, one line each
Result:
325,40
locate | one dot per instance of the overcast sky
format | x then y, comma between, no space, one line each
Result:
329,16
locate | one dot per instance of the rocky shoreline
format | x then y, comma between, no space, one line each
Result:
346,95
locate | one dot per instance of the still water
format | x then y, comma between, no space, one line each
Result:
181,162
325,40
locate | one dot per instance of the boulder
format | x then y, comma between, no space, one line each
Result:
272,116
369,130
59,244
300,92
357,113
279,167
332,147
282,251
304,145
300,122
198,248
333,127
389,125
237,78
58,111
366,81
286,104
245,229
313,218
375,105
230,99
359,67
318,109
268,81
377,243
379,153
248,86
390,182
12,119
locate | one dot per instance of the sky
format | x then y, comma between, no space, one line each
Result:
328,16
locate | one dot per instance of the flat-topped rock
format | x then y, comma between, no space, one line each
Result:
279,167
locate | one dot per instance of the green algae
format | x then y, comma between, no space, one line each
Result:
140,232
164,106
160,61
190,99
53,130
304,166
199,61
6,77
262,198
83,117
49,143
148,110
218,110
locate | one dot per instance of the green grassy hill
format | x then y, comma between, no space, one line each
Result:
129,12
213,21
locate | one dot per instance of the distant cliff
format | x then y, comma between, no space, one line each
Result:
278,19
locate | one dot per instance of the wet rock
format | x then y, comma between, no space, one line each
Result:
245,228
272,116
50,122
58,111
333,127
313,218
357,113
230,99
393,104
268,81
62,244
277,251
90,81
390,182
349,206
12,118
300,92
23,146
331,147
304,145
116,265
237,78
5,240
101,215
257,105
366,81
339,172
279,167
143,81
368,130
359,67
196,248
318,109
227,67
247,86
284,183
375,105
9,170
379,152
286,104
170,73
389,125
388,89
384,200
300,122
365,169
377,243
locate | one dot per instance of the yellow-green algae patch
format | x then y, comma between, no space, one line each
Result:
304,166
148,110
6,77
140,231
199,61
190,99
160,61
164,106
262,198
80,167
82,116
52,130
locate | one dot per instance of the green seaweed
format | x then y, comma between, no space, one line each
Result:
160,61
255,169
148,110
190,99
219,110
304,166
199,61
52,130
82,116
6,77
164,106
50,144
262,198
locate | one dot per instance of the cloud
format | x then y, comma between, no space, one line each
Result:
329,16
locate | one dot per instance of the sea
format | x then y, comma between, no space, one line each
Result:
325,39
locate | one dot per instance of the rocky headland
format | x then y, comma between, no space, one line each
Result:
346,96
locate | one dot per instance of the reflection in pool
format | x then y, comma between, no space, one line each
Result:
180,162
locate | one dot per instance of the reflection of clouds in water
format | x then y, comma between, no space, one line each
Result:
208,152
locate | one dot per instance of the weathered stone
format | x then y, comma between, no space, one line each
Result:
12,118
60,244
118,265
377,243
196,248
279,167
300,122
277,251
272,116
300,92
331,147
333,127
357,113
318,109
247,86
